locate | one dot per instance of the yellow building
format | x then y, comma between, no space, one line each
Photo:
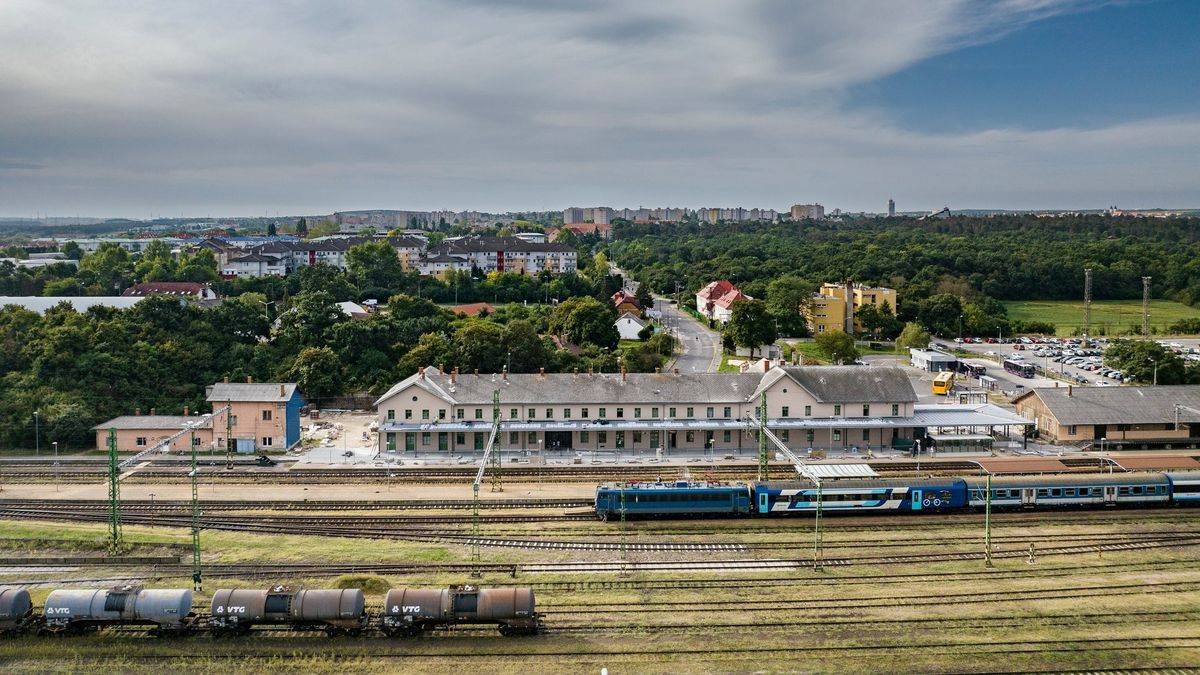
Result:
830,309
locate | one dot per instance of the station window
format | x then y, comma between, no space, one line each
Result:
531,413
783,435
441,413
140,441
531,437
460,413
728,412
620,439
479,413
425,413
837,435
1071,429
408,413
583,412
424,438
637,413
460,438
807,411
837,409
709,412
690,436
512,413
866,435
810,436
637,437
566,413
620,413
895,410
391,414
196,442
514,437
671,413
583,436
266,415
601,437
549,413
866,410
727,436
691,412
603,413
654,412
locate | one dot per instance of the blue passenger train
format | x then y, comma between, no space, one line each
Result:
897,495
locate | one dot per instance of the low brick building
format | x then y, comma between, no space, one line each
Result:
265,415
1118,415
141,432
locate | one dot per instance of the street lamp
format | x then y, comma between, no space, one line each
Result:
960,333
55,444
37,433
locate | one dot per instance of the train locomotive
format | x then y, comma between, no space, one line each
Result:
235,612
894,495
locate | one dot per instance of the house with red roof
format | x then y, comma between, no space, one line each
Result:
715,301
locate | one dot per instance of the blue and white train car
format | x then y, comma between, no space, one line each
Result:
678,498
1185,488
895,495
1065,490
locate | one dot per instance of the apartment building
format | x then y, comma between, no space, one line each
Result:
834,306
715,301
497,254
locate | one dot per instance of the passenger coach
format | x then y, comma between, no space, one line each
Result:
861,495
1068,490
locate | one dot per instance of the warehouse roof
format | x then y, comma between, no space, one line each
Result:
265,391
155,422
1119,405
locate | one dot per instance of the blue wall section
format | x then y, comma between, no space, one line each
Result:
292,417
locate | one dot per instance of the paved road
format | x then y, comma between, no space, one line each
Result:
701,346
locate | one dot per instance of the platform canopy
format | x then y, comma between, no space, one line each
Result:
841,470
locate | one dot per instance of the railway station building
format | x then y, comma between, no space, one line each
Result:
1115,417
814,407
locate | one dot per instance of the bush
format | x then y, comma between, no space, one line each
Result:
370,584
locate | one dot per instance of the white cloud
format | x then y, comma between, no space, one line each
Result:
318,105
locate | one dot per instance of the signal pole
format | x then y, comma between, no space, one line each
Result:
987,525
196,576
116,544
764,465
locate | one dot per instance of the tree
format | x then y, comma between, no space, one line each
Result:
644,297
585,320
524,349
309,319
646,332
1147,361
110,268
941,313
788,300
198,266
375,266
913,337
326,278
72,250
479,344
302,227
751,325
318,371
156,262
271,230
837,346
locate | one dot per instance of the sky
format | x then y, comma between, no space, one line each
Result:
220,107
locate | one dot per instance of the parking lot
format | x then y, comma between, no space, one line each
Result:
1063,359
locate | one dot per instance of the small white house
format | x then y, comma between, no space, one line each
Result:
628,326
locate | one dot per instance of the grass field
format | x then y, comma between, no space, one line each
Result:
1109,317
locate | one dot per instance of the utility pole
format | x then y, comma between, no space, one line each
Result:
817,543
763,461
116,543
196,576
987,525
624,536
1087,304
228,435
37,433
1146,306
497,464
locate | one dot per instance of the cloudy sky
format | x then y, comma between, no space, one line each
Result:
214,107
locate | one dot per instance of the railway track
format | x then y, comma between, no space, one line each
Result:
128,506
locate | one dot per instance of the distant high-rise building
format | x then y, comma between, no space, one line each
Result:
808,211
572,215
891,208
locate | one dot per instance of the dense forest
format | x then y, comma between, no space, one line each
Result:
971,262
